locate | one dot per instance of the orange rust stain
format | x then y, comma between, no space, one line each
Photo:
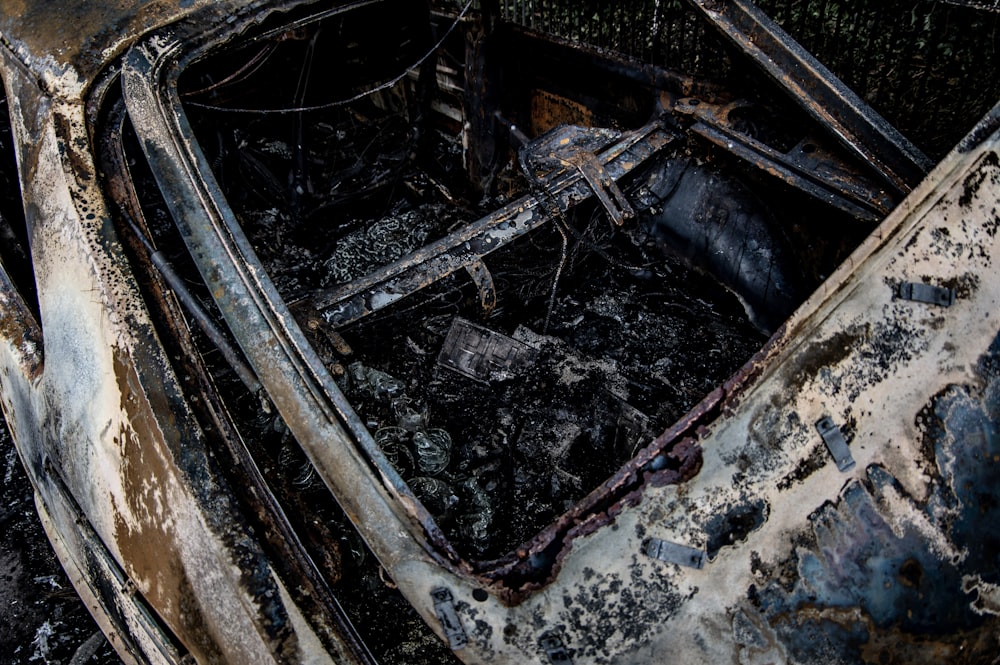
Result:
549,110
148,542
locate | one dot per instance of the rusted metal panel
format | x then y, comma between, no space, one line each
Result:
302,390
66,44
807,166
760,461
105,419
289,557
724,455
549,110
127,620
19,329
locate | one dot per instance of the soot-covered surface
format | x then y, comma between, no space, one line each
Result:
499,419
919,598
500,427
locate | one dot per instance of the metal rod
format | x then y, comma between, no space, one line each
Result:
818,91
197,312
352,301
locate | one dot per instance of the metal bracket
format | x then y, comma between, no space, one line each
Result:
682,555
619,154
835,443
553,647
545,159
817,171
927,293
483,280
444,607
607,190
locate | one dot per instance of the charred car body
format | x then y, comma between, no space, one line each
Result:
533,332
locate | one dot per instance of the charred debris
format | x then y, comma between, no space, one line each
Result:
523,259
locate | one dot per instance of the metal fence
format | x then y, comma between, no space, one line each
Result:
664,32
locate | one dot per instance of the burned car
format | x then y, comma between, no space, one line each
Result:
509,331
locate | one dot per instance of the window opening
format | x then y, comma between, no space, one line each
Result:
508,349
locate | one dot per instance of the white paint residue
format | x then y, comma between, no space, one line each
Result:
41,642
899,513
988,600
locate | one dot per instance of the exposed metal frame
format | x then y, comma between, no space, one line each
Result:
815,88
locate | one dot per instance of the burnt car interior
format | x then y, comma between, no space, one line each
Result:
525,238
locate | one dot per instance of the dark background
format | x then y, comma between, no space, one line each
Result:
42,620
